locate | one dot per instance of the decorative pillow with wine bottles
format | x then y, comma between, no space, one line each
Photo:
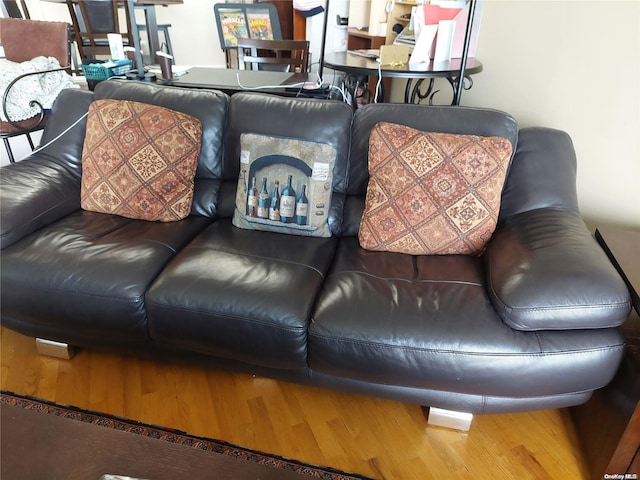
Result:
284,185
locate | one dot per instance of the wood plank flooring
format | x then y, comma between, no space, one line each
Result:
379,438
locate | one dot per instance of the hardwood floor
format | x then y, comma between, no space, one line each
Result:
382,439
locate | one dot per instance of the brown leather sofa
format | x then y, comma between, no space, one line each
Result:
532,323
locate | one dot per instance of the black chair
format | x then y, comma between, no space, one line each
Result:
277,55
92,20
164,28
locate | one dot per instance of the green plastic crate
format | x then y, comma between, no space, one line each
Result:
103,71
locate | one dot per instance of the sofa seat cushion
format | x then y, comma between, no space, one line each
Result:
241,294
427,322
85,276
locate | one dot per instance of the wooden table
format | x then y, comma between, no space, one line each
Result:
231,81
609,424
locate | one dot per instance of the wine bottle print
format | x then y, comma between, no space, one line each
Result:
263,200
274,206
302,207
288,203
252,200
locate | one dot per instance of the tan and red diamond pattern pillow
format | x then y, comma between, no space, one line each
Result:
432,193
139,160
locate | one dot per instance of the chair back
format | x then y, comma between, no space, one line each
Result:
283,55
92,20
24,40
14,9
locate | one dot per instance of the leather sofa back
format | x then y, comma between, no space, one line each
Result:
225,118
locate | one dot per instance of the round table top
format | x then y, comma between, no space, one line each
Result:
358,65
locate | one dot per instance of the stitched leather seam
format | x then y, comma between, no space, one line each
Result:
225,315
232,252
138,299
566,307
457,282
474,354
34,219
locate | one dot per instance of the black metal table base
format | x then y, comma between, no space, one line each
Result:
415,94
416,89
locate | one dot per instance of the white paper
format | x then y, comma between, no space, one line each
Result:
320,172
417,19
115,46
422,51
444,42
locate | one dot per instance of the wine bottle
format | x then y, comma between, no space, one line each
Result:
252,200
302,207
263,200
274,207
288,203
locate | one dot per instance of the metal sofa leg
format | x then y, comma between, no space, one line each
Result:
450,419
54,349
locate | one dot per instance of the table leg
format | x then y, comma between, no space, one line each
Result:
152,29
357,87
139,73
415,95
457,85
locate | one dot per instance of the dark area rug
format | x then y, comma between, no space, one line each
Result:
173,436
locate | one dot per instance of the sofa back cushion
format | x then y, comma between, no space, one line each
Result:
208,106
321,121
457,120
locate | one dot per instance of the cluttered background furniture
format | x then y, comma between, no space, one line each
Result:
93,19
466,333
257,21
433,50
233,81
33,72
358,69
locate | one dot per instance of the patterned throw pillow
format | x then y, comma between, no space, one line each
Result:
284,186
432,193
139,160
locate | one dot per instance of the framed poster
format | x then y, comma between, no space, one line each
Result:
260,24
232,25
246,20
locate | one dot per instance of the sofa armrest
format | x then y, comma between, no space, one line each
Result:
45,187
545,271
33,193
